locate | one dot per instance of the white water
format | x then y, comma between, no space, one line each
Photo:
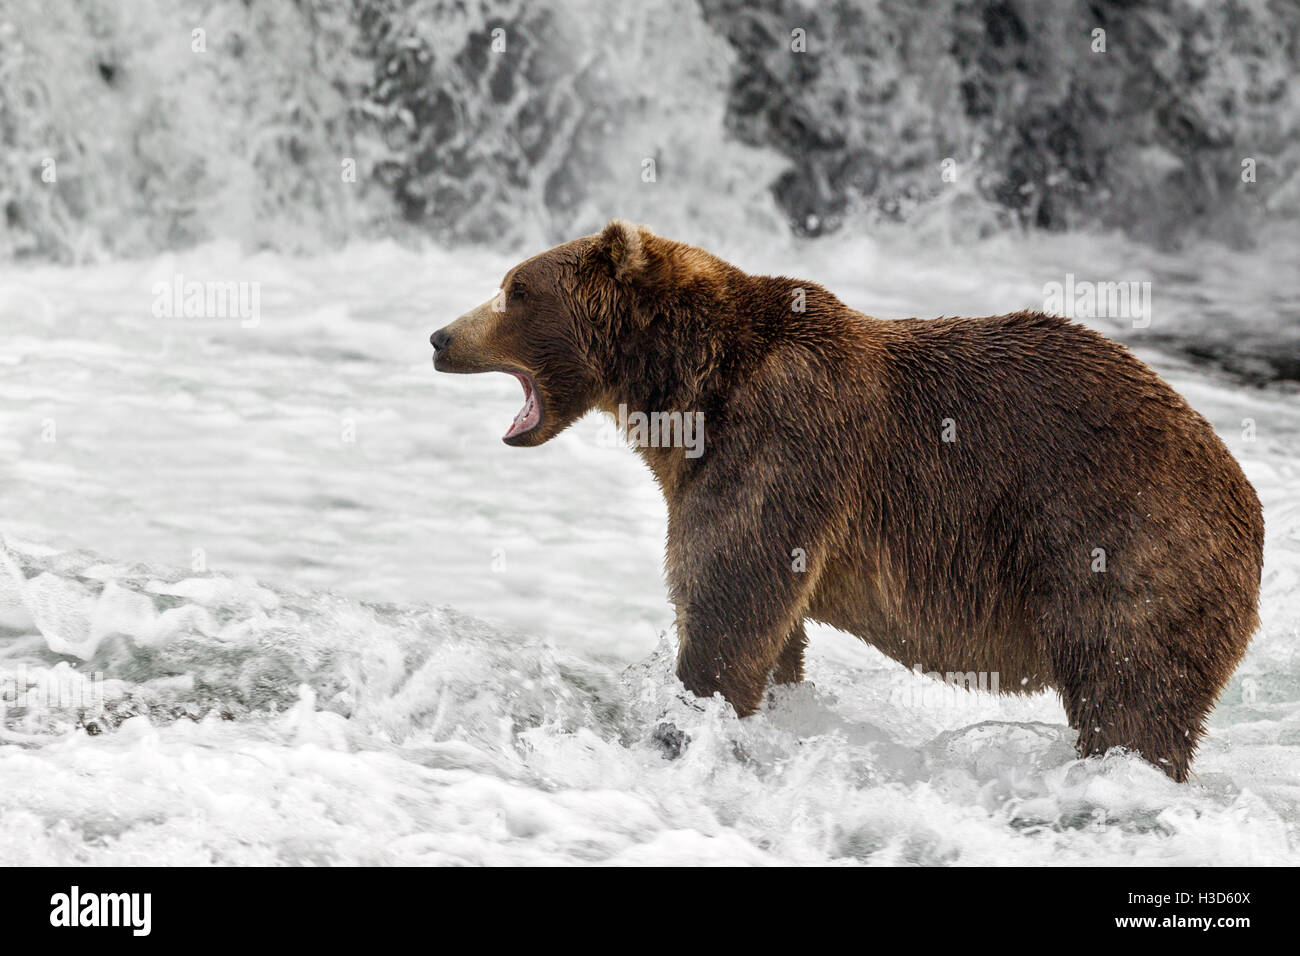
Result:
312,696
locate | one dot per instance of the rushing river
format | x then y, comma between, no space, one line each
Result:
272,592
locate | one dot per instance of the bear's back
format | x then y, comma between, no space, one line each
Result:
1023,445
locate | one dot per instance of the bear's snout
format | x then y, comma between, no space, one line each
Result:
469,343
441,342
473,343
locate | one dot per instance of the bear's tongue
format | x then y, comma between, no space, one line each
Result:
530,414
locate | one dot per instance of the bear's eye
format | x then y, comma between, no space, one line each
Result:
518,293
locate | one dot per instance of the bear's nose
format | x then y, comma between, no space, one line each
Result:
440,340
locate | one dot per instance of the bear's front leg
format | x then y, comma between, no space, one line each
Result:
707,667
789,663
740,600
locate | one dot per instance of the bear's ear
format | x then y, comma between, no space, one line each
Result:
621,244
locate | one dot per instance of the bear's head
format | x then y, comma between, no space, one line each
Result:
570,323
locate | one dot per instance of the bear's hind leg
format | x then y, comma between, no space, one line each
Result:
1154,704
1161,735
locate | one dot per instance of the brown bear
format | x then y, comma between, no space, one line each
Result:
1014,496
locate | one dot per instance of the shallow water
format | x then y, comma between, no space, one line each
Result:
333,619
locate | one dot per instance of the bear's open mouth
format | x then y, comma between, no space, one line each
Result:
530,416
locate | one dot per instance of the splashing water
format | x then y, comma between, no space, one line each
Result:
300,125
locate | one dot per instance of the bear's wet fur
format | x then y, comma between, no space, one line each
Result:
1014,495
